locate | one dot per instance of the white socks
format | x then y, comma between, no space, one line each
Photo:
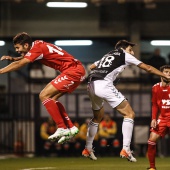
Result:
127,130
91,132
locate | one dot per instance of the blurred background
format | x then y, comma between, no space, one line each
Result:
102,23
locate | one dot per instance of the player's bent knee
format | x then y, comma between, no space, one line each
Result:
154,137
43,96
131,115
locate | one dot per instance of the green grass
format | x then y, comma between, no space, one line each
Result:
80,164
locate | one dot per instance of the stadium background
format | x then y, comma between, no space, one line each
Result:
104,22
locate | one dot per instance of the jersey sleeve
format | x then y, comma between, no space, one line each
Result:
35,53
96,62
155,107
129,59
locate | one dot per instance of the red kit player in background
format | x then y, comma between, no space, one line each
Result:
72,74
160,123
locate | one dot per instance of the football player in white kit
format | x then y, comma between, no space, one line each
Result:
100,88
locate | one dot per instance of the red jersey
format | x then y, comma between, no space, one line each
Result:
160,101
51,56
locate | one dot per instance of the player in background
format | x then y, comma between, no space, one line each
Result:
160,124
100,88
72,74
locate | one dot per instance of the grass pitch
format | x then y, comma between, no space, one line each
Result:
80,163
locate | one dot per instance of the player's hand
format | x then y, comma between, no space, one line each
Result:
7,58
153,123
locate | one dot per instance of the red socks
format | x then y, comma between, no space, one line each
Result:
54,111
58,113
151,153
64,115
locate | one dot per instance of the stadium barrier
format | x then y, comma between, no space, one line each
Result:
21,115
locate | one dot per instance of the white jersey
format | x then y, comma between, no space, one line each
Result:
100,87
112,64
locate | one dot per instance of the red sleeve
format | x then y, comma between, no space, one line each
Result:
154,103
35,52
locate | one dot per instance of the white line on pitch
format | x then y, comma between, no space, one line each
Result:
39,168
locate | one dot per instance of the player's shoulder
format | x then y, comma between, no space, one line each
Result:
157,85
38,43
116,51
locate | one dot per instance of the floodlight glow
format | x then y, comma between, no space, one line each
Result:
160,42
2,43
66,4
73,42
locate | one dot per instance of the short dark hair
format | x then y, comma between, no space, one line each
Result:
22,38
164,67
123,44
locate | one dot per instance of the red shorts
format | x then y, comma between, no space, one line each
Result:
68,81
163,127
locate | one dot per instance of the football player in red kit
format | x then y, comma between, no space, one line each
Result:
72,74
160,123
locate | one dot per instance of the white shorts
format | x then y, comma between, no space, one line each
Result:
100,91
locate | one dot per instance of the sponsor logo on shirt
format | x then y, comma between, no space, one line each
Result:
116,53
99,71
166,103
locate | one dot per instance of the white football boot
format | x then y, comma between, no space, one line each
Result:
73,131
59,133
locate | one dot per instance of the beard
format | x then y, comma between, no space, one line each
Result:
165,81
22,53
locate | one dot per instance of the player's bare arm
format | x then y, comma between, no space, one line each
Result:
92,66
150,69
10,58
15,65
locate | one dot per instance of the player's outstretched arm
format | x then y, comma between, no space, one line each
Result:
14,65
10,58
152,70
92,66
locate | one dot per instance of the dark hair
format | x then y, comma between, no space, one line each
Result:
123,44
164,67
22,38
